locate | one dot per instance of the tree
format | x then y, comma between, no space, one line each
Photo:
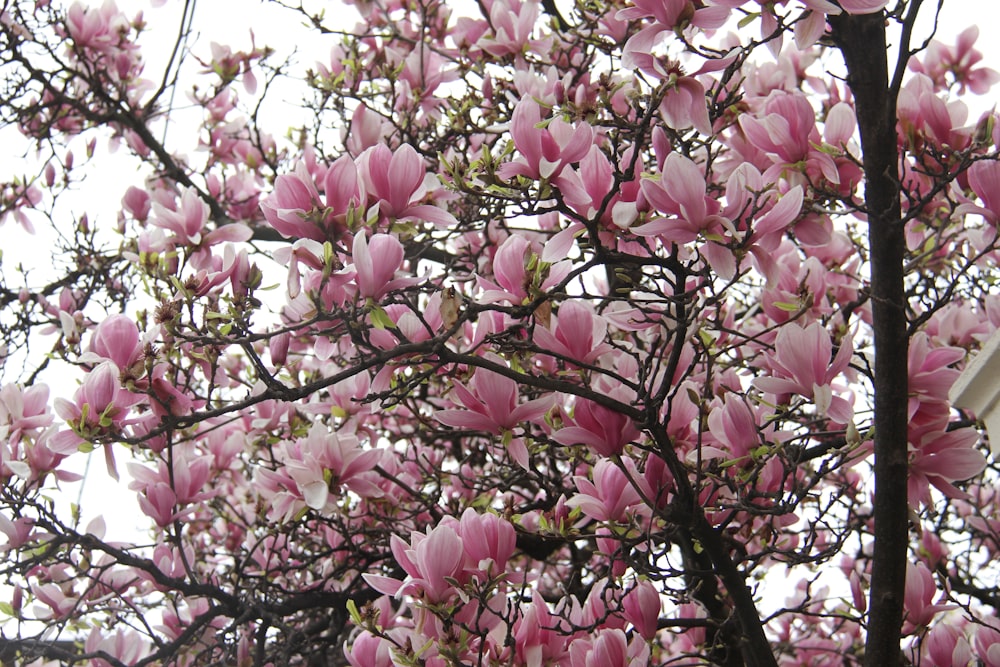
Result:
619,333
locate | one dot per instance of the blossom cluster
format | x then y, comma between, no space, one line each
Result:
551,352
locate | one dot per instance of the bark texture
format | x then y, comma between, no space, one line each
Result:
862,39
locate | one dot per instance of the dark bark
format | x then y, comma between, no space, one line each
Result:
862,39
740,626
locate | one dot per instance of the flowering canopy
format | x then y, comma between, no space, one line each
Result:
543,340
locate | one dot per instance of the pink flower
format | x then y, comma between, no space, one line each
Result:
512,22
100,402
395,181
376,263
165,491
734,426
930,373
545,151
925,118
801,364
126,646
947,646
167,397
683,105
488,540
939,457
610,649
295,210
642,609
367,130
984,179
17,531
367,650
602,429
429,561
679,193
987,643
586,188
96,28
947,66
537,639
787,130
326,459
158,501
612,493
42,460
513,281
117,339
577,334
918,605
137,202
60,602
668,15
278,347
189,221
23,412
491,403
432,559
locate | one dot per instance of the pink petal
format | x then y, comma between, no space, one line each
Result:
840,124
467,420
532,411
955,464
384,585
406,174
782,214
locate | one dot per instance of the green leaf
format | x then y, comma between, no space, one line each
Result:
355,614
380,319
707,339
786,306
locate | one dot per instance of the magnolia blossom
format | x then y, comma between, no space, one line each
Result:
396,181
430,559
577,333
642,608
603,429
946,65
375,264
611,648
940,458
188,223
295,208
801,364
491,402
947,646
544,151
612,493
984,179
513,281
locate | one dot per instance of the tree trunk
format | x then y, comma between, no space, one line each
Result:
862,39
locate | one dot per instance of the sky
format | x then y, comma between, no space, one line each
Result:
216,21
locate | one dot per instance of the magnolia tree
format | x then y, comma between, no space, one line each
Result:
613,334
